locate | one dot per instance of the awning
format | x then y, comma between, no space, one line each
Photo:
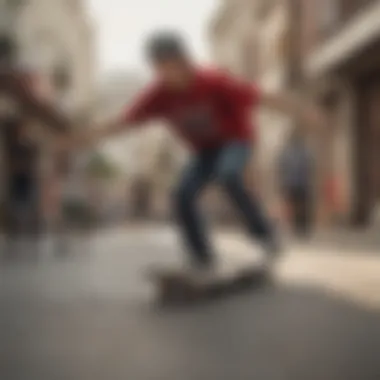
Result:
357,34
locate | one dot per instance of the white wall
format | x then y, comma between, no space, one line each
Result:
51,32
274,127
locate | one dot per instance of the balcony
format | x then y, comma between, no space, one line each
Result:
355,26
350,8
334,15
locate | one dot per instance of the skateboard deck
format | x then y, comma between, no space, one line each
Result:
180,285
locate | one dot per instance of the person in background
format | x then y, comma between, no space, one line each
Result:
296,173
56,197
20,109
22,157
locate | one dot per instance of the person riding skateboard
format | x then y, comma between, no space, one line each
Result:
211,111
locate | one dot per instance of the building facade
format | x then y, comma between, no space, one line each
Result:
58,38
54,40
328,51
340,48
252,40
273,75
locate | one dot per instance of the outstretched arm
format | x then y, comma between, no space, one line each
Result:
300,109
95,135
243,93
147,106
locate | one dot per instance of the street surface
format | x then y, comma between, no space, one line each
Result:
89,316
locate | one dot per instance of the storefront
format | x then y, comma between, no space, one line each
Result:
347,65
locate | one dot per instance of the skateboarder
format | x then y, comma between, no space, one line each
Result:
212,111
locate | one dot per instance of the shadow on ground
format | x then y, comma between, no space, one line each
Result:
271,334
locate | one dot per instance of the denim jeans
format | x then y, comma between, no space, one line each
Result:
225,166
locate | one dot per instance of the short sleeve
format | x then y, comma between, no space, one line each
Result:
146,106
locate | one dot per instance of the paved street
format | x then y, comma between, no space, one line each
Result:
90,316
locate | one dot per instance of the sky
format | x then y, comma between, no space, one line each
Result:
122,26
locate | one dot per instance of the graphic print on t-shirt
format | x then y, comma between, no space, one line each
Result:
197,121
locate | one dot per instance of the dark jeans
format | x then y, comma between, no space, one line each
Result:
22,220
300,202
22,215
226,166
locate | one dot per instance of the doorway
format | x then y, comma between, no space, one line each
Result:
368,149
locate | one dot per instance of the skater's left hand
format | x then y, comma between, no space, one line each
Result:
66,144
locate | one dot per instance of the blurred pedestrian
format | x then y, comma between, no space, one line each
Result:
20,107
296,171
56,189
21,154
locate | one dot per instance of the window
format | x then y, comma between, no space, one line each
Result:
328,15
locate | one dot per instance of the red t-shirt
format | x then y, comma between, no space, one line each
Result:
215,109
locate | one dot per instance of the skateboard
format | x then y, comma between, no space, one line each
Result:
181,285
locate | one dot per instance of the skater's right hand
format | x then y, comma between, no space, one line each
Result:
69,144
62,145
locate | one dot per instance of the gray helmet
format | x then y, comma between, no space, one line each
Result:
165,45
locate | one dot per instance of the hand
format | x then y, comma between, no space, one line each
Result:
67,144
89,138
62,145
